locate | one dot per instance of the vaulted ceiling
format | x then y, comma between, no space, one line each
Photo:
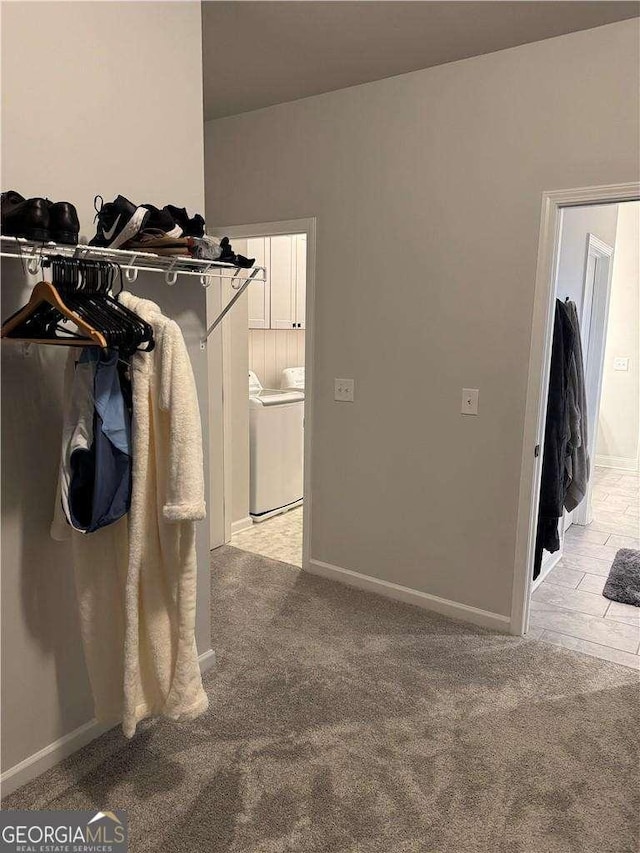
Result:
262,53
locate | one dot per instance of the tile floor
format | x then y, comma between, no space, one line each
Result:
568,608
279,537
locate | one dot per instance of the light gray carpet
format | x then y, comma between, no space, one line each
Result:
345,723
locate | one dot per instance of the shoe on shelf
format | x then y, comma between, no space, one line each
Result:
64,224
159,242
228,256
9,201
244,263
190,227
21,217
162,220
118,222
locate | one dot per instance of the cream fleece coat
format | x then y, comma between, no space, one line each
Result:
136,579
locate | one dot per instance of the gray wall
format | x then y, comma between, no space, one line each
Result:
427,189
85,95
577,224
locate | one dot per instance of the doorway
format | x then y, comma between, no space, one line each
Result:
261,484
591,258
583,278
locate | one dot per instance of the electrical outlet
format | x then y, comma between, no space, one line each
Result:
621,364
343,390
470,401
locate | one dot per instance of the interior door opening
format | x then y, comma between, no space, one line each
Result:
597,276
263,488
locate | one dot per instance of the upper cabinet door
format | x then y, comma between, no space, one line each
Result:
283,293
259,295
300,254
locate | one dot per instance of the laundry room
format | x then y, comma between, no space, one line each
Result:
263,395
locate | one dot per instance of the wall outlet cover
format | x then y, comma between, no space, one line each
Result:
470,401
621,363
343,390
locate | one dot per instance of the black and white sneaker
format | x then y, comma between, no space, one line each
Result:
162,220
193,227
118,222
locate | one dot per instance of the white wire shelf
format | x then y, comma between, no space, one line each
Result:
131,261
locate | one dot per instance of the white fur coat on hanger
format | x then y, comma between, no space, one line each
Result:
136,579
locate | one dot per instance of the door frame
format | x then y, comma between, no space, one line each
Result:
270,229
596,289
538,378
594,322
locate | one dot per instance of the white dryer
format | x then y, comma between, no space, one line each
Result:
276,443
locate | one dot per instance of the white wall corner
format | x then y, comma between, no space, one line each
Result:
241,524
425,600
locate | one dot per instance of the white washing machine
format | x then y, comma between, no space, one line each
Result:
276,444
293,378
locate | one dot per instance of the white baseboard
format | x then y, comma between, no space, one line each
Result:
207,660
242,524
52,754
618,463
454,609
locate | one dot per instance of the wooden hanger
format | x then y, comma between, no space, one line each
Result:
45,292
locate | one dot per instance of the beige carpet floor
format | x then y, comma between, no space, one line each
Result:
344,723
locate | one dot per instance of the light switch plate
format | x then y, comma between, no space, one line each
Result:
621,364
470,401
343,390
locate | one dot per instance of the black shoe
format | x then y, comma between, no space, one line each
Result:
190,227
118,222
162,220
10,200
25,217
64,224
244,263
227,254
230,257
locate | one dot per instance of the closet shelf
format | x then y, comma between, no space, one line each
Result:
131,261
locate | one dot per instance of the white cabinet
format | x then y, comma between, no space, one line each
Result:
281,277
259,291
280,303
